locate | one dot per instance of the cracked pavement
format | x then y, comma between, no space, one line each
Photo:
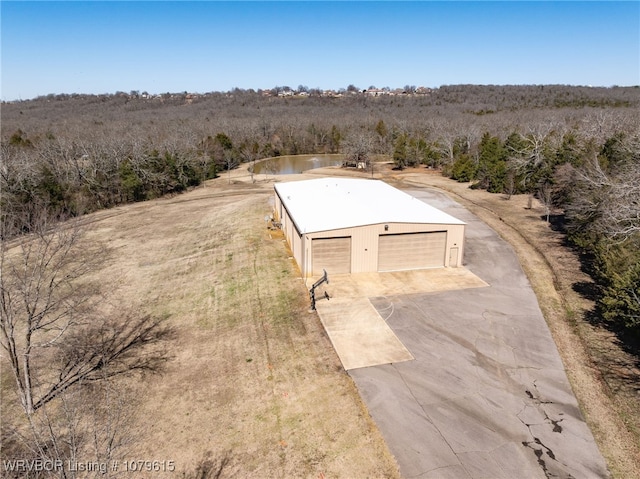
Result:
487,395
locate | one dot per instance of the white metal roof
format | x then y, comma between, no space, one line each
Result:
333,203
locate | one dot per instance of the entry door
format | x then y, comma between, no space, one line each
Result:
332,254
453,257
399,252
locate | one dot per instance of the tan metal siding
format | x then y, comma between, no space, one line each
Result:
364,242
331,254
294,240
397,252
453,257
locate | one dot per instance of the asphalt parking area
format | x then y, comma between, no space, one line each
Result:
486,395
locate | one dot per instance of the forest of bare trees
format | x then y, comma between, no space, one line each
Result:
81,153
577,149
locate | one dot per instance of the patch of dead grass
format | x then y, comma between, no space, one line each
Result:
255,387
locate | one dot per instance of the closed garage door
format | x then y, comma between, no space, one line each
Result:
332,254
411,251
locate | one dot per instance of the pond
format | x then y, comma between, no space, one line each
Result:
294,164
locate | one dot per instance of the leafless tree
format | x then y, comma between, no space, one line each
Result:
510,183
67,346
545,195
358,147
269,165
608,202
452,134
534,154
92,423
600,125
55,328
88,152
230,162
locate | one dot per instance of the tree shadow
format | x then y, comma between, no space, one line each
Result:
209,468
627,340
630,342
557,222
587,289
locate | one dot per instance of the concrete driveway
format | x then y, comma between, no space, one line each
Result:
487,395
359,333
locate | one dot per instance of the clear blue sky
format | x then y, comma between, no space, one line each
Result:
104,47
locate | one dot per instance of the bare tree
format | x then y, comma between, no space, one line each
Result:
65,345
510,183
55,327
230,162
452,136
358,147
608,202
601,125
270,165
533,153
545,195
92,423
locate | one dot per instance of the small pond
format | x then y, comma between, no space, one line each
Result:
294,164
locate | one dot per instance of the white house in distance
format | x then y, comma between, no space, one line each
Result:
347,225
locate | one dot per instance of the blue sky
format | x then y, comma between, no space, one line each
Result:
104,47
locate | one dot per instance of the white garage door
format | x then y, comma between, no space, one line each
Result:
411,251
332,254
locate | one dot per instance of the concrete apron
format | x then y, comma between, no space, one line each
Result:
359,334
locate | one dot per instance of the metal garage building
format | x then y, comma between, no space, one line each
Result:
348,225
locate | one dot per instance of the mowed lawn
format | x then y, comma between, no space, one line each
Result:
254,388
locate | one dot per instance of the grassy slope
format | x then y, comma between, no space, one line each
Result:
255,385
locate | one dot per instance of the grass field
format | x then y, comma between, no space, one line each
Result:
255,388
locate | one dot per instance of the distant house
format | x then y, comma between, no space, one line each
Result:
421,90
375,92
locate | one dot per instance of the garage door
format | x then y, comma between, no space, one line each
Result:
332,254
411,251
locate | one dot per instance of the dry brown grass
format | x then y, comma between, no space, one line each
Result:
255,388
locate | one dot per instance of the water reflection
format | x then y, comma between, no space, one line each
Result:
294,164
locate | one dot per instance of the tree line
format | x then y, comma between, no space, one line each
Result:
85,152
596,185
